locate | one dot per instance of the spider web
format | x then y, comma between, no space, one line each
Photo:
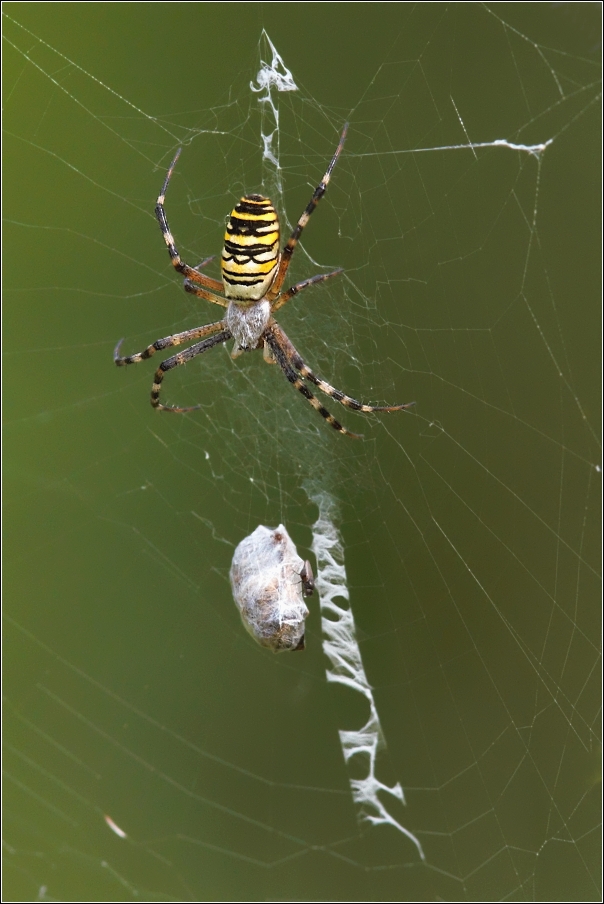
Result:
152,751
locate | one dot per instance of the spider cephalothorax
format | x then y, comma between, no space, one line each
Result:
253,273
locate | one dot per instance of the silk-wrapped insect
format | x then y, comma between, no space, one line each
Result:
270,581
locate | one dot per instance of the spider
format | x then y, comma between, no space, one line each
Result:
253,273
307,579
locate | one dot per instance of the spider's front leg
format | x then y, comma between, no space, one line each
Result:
168,342
281,358
297,362
176,361
221,334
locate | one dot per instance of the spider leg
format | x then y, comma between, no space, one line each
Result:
282,360
215,284
297,362
176,361
168,342
189,272
283,299
204,262
286,254
192,289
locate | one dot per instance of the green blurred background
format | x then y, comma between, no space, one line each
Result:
471,527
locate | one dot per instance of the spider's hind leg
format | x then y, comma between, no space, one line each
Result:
192,274
290,247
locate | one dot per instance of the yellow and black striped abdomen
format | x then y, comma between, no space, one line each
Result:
250,256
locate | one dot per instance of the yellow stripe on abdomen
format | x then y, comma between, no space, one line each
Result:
251,249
